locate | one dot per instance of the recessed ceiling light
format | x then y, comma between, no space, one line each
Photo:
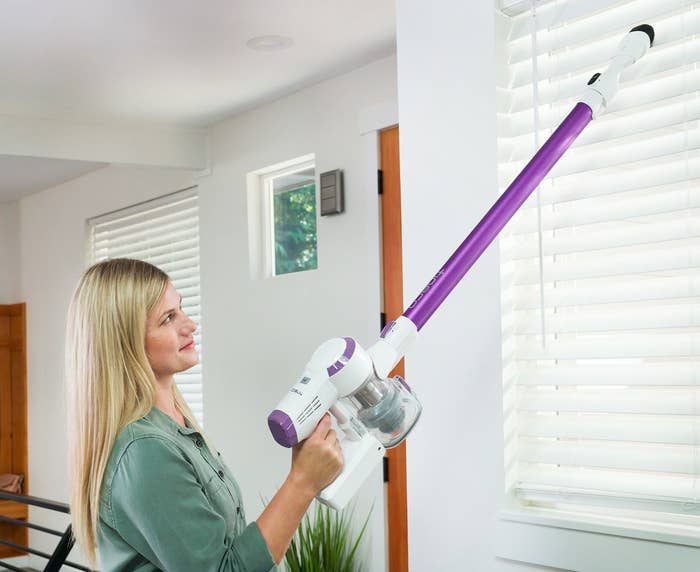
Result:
269,43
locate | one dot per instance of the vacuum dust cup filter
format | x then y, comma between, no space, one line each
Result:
387,408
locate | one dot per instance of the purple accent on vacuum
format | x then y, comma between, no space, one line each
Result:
282,428
429,300
402,381
347,354
386,329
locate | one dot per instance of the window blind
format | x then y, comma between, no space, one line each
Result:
601,267
164,232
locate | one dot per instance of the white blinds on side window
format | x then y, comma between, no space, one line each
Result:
601,293
164,232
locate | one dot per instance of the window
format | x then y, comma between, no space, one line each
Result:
164,232
601,267
290,218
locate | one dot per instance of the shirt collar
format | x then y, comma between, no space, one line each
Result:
167,423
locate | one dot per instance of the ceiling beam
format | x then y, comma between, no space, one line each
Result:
134,145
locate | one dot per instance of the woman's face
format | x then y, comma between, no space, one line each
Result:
169,343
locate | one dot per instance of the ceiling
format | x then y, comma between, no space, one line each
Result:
168,63
177,61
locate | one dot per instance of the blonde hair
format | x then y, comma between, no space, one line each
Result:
109,380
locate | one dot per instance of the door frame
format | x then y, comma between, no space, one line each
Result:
392,295
13,419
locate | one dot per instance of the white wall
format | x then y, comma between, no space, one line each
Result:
260,333
448,157
446,82
257,334
9,253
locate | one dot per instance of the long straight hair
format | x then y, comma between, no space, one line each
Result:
109,380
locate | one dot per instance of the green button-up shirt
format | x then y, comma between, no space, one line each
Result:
168,503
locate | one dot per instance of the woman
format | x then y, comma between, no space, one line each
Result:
147,489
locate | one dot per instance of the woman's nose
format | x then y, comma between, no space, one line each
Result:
188,325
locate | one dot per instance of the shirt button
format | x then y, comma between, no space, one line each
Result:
238,510
221,474
198,443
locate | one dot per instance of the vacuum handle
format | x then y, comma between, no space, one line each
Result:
360,459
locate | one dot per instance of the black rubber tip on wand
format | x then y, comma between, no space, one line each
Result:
647,29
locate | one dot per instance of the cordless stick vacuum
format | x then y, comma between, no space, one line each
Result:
374,412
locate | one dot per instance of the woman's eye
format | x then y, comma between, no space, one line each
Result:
168,318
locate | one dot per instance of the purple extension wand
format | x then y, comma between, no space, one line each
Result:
372,411
603,87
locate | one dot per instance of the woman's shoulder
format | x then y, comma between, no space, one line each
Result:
138,452
141,441
140,438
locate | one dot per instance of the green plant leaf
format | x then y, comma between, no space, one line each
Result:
324,543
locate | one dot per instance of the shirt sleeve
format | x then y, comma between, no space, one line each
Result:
160,509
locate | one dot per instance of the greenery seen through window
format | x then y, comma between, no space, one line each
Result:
295,230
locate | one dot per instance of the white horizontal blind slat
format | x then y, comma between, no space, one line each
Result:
163,232
632,317
628,233
587,31
187,242
633,485
611,399
136,222
638,428
667,199
585,20
656,258
601,326
185,227
611,290
609,455
610,346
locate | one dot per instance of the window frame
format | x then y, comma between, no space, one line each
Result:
514,511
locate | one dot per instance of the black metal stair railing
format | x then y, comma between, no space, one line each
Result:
57,559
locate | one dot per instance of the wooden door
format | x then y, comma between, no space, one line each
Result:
397,514
13,418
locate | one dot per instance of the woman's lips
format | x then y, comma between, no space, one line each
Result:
188,346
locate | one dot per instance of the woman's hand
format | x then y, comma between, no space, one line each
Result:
317,460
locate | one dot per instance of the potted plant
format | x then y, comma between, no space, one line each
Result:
324,542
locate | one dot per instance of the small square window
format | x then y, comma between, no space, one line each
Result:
291,212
